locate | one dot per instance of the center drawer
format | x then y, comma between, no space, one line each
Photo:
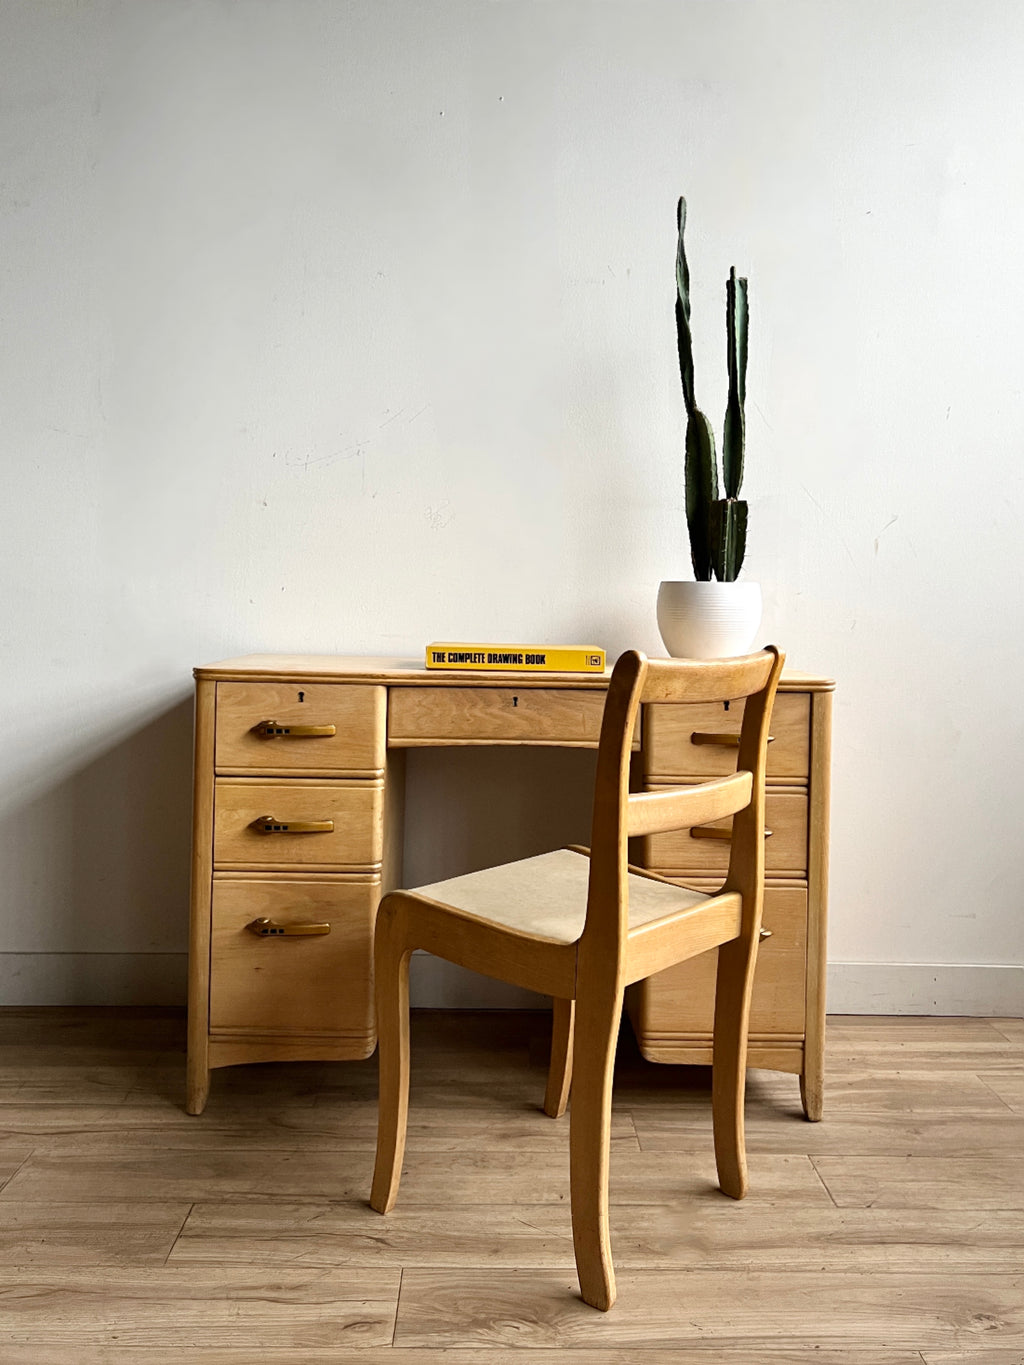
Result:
495,715
353,809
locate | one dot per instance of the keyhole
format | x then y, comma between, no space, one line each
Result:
515,701
724,703
302,696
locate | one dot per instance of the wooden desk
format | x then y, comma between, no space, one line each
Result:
284,742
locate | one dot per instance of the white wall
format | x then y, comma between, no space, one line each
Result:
341,326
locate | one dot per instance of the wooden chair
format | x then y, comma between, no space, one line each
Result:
581,928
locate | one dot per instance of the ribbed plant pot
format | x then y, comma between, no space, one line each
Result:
709,620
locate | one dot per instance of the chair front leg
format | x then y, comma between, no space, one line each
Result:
736,962
596,1033
556,1096
391,955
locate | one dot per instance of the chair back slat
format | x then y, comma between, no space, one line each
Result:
620,815
689,680
684,807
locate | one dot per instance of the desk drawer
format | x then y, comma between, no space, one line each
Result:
670,750
353,809
679,1003
679,852
495,715
283,985
355,713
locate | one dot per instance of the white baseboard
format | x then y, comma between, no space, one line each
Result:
978,990
981,990
93,978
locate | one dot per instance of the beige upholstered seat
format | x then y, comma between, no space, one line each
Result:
547,895
581,928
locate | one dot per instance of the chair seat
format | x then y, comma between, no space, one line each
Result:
547,895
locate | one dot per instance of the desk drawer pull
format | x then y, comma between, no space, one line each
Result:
707,832
266,824
765,933
272,729
726,740
269,928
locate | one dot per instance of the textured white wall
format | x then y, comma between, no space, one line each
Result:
340,326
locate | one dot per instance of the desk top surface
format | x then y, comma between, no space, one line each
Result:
411,672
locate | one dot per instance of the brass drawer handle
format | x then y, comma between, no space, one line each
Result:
765,933
272,729
266,824
269,928
706,832
726,740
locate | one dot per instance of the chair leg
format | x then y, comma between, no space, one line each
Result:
736,962
391,984
596,1033
556,1096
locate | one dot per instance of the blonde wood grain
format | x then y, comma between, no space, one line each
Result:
812,1081
683,807
358,714
594,971
683,854
197,1085
556,1096
669,751
354,807
293,986
488,715
679,1003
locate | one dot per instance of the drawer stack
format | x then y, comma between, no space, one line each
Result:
672,1013
297,855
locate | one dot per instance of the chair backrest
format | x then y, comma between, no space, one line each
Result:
620,814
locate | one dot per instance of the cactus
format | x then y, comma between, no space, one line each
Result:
717,526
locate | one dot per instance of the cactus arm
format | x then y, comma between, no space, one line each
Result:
701,491
734,435
683,335
727,520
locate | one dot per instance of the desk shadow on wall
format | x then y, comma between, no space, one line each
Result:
468,808
96,885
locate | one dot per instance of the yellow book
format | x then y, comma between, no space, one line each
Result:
523,658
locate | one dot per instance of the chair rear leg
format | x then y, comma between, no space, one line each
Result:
596,1033
391,984
736,962
556,1096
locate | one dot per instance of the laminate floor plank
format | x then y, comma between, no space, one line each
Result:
775,1129
66,1086
709,1310
53,1234
1013,1029
350,1354
892,1233
709,1233
196,1309
144,1127
457,1178
1009,1088
923,1182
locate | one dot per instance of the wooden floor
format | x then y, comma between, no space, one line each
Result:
891,1233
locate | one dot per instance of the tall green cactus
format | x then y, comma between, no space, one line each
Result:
717,526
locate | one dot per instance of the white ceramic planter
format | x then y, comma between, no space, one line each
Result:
709,620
